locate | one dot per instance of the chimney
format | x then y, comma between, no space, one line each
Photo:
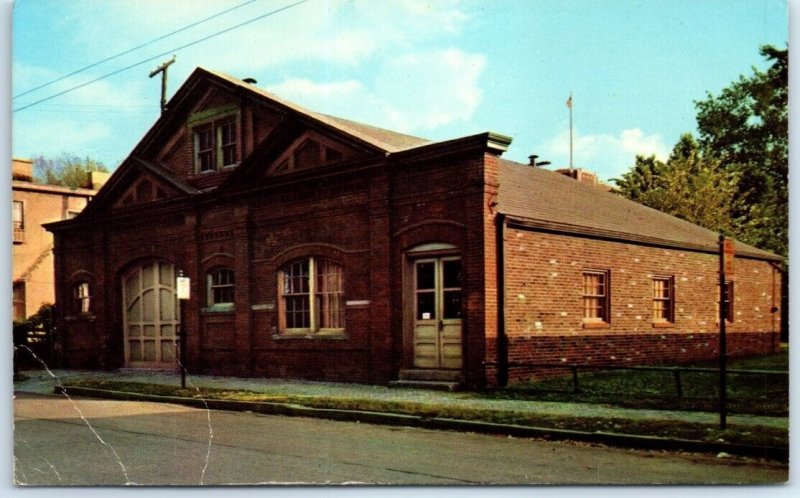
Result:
534,163
22,170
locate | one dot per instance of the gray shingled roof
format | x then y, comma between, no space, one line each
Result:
546,199
550,200
386,140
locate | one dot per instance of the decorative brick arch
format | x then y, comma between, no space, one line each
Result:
429,232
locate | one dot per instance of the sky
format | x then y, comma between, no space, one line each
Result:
438,69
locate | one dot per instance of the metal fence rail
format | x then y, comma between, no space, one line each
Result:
676,371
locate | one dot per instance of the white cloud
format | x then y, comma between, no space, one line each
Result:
299,89
411,93
608,155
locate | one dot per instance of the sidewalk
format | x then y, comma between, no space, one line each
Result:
44,383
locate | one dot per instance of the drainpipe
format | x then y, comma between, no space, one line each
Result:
502,341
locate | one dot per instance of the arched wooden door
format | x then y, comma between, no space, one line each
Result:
150,316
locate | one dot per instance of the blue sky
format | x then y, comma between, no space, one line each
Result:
436,69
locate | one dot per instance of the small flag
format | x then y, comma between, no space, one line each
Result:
569,102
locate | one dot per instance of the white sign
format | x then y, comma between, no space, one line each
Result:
183,287
426,316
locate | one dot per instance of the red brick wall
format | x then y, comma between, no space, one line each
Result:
544,303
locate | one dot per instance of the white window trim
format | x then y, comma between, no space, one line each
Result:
216,132
313,329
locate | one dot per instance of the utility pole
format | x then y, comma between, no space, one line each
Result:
163,70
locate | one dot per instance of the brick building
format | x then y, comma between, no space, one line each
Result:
322,248
32,246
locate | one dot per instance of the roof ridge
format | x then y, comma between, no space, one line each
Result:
387,140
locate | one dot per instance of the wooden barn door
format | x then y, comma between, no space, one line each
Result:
150,316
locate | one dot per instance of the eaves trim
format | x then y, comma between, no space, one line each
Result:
610,235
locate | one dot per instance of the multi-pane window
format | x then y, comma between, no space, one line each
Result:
312,296
595,296
81,297
18,220
220,286
204,148
19,300
215,145
227,142
663,299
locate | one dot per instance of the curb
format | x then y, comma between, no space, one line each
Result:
439,423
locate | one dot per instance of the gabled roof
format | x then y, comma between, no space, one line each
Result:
386,140
545,199
121,179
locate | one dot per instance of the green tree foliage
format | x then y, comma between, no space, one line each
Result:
688,185
747,128
734,178
67,170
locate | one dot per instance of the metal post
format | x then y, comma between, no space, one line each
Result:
723,346
182,346
182,337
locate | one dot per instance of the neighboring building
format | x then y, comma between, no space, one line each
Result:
32,254
322,248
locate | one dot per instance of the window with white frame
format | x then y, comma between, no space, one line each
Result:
311,296
215,145
220,287
81,297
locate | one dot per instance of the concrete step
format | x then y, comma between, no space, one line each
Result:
431,375
434,385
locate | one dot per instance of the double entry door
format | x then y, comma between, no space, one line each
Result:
150,314
438,310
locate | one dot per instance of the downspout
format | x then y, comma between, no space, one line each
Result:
502,341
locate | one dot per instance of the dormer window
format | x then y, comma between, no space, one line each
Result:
215,145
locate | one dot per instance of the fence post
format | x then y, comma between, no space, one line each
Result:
678,386
574,378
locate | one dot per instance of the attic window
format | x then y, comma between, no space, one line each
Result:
215,145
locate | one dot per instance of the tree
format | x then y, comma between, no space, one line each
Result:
67,170
746,128
735,177
688,185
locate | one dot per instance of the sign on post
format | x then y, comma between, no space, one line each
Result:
183,287
728,256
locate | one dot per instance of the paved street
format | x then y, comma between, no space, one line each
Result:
91,442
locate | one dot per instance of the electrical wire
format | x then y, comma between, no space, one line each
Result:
78,71
150,59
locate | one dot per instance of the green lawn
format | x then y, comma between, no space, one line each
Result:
763,436
747,393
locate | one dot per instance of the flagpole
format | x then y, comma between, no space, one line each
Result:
569,106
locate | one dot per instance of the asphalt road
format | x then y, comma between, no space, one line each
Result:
102,442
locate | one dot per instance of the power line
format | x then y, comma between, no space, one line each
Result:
73,73
145,61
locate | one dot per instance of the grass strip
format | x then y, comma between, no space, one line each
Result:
759,436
